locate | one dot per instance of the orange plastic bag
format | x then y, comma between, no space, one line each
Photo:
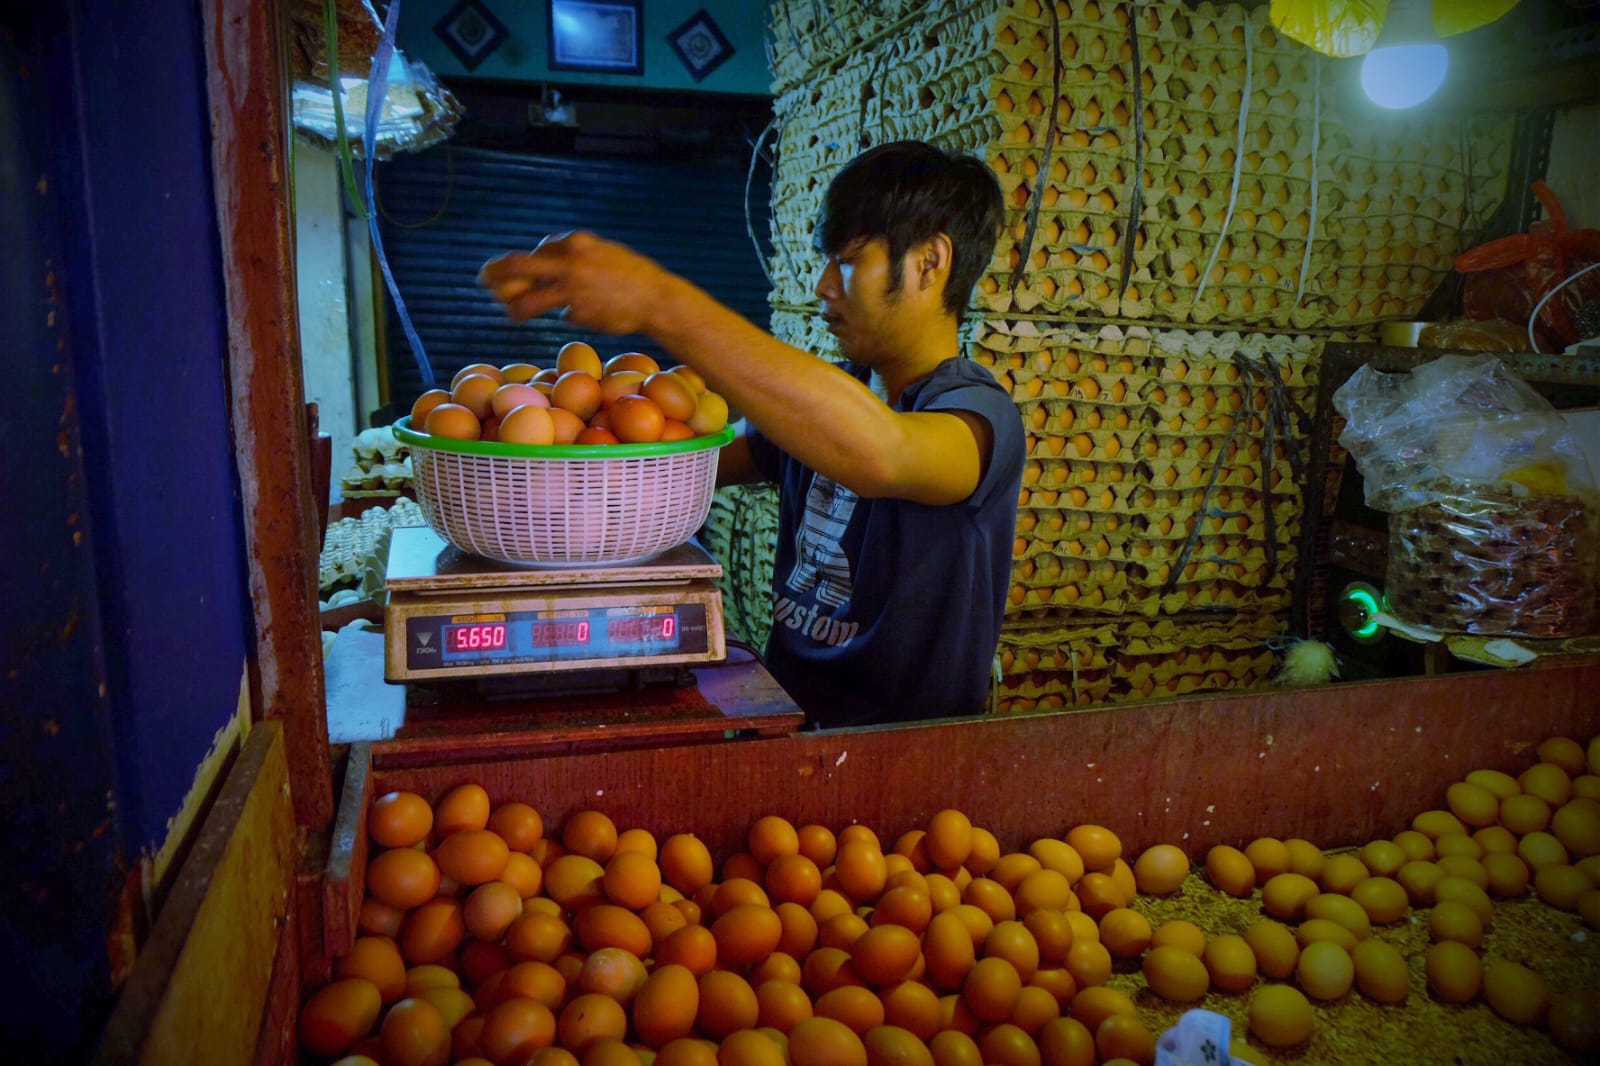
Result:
1507,278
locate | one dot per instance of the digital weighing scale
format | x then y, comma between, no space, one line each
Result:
456,616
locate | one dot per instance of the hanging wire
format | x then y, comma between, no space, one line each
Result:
1136,200
1238,163
1316,137
375,97
1035,195
749,223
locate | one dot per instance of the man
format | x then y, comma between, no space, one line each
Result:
898,476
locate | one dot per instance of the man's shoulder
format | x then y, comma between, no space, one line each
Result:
957,372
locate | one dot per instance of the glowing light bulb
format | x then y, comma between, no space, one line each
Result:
1404,75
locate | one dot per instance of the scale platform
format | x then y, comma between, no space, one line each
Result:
455,616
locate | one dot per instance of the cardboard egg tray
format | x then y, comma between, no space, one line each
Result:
1072,131
1168,512
741,530
1058,666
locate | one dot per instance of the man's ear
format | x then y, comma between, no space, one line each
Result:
933,257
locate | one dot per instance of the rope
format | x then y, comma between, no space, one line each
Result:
1238,161
1316,137
1034,194
749,224
1136,201
377,81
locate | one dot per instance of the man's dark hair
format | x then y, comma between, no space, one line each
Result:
907,192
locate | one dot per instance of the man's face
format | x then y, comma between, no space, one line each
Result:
860,302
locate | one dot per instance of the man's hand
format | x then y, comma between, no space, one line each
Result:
597,283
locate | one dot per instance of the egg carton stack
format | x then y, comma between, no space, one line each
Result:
1216,179
355,550
925,81
1053,667
1161,470
740,531
808,34
381,465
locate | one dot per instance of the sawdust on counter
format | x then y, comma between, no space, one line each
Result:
1353,1030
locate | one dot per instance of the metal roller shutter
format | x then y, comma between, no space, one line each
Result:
445,211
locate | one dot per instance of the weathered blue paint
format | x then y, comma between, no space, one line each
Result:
122,575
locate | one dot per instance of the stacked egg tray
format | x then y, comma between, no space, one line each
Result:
1053,667
380,465
1222,172
1161,470
354,550
927,82
740,531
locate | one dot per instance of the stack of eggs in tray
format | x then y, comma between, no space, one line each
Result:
382,464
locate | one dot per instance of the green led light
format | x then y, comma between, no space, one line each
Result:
1367,602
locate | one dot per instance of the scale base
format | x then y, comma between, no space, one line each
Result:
612,681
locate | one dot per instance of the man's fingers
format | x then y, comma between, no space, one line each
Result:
511,288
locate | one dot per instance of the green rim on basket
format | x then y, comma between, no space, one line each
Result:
408,436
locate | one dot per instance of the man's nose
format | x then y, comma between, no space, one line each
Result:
827,287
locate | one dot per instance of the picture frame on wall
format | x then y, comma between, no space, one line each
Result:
597,36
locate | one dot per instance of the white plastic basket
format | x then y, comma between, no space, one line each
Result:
563,504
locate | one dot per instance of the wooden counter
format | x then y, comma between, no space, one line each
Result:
1338,765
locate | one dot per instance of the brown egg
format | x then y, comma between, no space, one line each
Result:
1175,974
508,398
425,403
696,382
633,361
1275,948
1343,910
1325,970
1160,869
1516,993
1280,1016
1454,971
1231,962
576,355
1286,895
672,429
1383,898
1269,856
1305,858
710,415
1420,878
636,420
528,424
617,384
1453,920
453,421
475,392
1381,972
674,394
566,425
486,369
577,391
1230,871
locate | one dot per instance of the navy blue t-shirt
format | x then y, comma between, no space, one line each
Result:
885,610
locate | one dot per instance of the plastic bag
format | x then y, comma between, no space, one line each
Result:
1474,335
1494,526
1507,278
